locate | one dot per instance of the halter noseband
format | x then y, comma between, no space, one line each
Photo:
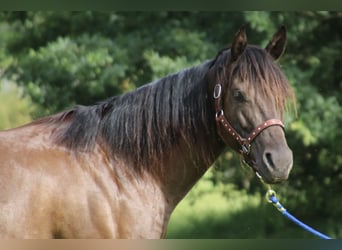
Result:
224,128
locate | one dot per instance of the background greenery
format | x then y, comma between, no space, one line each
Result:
52,60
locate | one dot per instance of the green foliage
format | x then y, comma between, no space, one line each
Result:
213,206
66,58
14,109
79,69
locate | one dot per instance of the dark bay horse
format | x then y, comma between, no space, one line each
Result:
117,169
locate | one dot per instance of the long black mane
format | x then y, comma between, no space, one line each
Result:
144,124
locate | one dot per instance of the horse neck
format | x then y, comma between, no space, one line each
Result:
196,149
166,129
184,168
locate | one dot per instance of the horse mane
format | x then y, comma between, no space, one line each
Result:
143,125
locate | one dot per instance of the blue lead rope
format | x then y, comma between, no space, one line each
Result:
271,197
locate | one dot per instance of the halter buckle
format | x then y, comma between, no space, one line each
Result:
245,149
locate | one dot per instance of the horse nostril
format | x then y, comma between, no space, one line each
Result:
269,160
276,165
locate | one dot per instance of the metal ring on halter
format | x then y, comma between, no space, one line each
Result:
217,90
219,113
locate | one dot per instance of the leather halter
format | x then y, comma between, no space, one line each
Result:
226,130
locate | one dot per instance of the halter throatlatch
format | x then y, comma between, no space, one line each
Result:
226,130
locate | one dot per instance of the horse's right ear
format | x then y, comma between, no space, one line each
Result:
239,44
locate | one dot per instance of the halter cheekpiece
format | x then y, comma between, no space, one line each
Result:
224,127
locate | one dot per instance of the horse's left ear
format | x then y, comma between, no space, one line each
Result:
276,45
239,44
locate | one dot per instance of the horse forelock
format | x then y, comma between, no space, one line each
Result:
258,69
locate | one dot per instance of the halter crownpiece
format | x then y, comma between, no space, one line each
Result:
224,128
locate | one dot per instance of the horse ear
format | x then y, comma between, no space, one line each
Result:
276,45
239,44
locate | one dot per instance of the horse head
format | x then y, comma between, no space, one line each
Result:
250,93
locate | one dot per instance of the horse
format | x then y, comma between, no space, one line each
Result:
118,168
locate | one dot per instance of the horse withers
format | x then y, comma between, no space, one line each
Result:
118,169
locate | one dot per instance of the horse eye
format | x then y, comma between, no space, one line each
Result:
238,96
